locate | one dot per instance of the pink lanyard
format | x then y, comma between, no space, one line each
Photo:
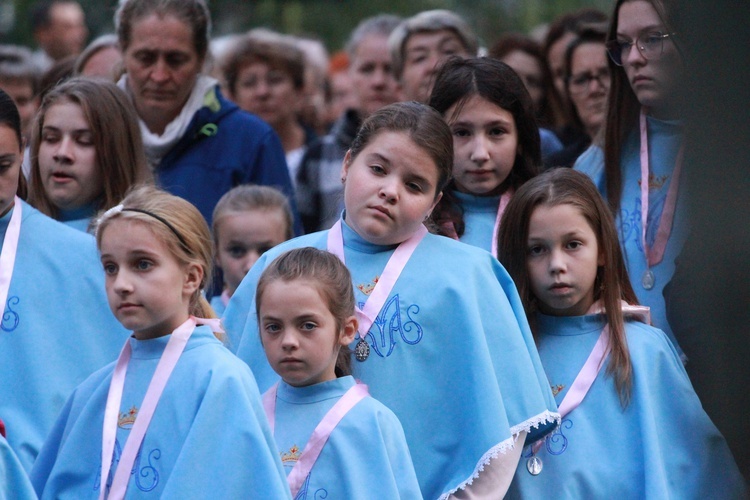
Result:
320,435
8,256
450,228
656,254
593,365
173,350
383,287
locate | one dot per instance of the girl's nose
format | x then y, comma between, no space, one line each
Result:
64,151
479,152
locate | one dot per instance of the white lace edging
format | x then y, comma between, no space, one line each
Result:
508,444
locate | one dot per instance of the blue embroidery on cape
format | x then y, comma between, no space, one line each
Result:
146,477
302,493
630,223
557,442
390,325
10,317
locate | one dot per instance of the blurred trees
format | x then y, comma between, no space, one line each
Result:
330,20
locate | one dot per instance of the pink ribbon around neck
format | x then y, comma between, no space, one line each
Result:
366,316
656,254
172,352
320,435
8,255
504,200
593,365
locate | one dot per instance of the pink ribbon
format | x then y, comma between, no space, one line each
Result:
320,435
656,254
172,352
593,365
388,278
8,255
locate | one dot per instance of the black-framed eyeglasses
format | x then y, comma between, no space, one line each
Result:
580,83
650,44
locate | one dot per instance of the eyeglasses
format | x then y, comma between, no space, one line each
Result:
578,84
649,44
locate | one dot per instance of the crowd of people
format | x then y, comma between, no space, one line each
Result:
422,267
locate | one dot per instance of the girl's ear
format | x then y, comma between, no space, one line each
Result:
349,330
346,164
193,279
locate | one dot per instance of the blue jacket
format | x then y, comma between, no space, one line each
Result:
223,148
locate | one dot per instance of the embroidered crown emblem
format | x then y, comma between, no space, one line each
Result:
655,182
557,389
367,288
127,418
291,457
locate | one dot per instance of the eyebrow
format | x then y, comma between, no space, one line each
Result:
9,156
653,27
379,157
504,123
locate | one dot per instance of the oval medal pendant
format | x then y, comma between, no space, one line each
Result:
534,465
648,280
362,350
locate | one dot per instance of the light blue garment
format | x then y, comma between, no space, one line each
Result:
451,353
480,213
366,455
208,438
217,304
549,143
79,218
665,138
14,483
56,330
663,445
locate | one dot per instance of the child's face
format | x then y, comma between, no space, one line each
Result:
485,142
242,237
389,188
299,332
562,260
10,167
67,158
147,288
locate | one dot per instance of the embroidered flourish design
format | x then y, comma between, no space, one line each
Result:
557,442
388,325
10,319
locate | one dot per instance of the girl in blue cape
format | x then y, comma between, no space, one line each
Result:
177,416
442,338
637,162
53,305
495,145
632,426
82,160
333,439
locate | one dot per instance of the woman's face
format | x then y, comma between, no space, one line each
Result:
10,167
267,92
654,79
162,65
530,71
588,85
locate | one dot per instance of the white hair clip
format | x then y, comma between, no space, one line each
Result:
106,215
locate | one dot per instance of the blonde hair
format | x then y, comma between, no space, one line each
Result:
178,224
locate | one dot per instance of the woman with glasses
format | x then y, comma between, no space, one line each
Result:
586,82
637,163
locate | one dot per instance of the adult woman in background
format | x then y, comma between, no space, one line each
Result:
199,144
637,165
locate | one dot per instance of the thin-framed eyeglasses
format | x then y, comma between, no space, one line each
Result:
580,83
650,44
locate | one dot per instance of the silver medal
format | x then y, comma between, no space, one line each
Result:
534,465
362,350
648,279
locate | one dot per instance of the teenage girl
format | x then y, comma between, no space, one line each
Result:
632,426
428,304
53,306
247,221
334,440
176,398
495,145
637,165
82,159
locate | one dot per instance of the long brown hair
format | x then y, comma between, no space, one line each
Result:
111,117
563,186
623,106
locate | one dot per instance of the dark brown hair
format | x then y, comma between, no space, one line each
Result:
331,279
563,186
